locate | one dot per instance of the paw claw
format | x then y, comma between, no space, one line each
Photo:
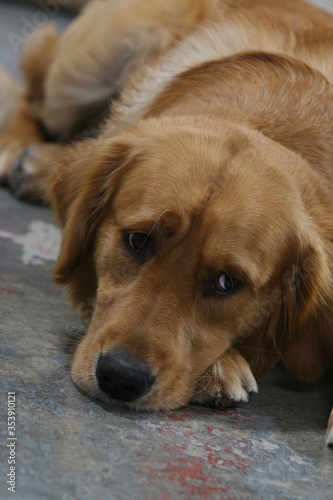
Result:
223,404
251,385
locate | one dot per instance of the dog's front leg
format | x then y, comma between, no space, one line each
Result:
229,380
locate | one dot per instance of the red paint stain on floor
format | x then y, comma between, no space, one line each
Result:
9,291
192,458
191,478
48,291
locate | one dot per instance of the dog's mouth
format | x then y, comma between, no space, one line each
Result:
150,403
142,404
121,380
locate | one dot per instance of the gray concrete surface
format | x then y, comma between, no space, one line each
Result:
69,448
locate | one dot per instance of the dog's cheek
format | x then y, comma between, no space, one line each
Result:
169,353
180,371
84,363
171,393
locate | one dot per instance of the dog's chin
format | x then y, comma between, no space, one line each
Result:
152,403
133,406
145,406
148,403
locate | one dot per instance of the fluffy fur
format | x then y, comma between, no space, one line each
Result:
216,148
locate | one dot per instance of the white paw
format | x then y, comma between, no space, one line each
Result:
229,380
236,381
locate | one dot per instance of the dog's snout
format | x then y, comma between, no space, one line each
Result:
122,376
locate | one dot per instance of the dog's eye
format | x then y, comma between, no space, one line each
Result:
137,244
225,284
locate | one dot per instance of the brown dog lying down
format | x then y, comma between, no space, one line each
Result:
198,220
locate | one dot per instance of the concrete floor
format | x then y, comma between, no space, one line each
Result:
70,448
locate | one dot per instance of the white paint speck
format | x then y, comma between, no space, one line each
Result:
263,444
298,460
41,244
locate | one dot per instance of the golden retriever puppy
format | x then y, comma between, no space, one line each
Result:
197,219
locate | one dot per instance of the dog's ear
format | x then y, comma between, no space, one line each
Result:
296,322
84,182
302,325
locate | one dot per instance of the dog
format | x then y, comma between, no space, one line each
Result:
186,150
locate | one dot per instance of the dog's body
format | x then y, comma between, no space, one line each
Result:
198,225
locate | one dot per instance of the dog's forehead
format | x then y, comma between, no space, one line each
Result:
226,174
177,174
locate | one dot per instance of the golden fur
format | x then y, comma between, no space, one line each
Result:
216,148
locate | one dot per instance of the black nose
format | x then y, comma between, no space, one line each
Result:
123,376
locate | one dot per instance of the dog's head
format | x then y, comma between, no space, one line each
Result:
183,240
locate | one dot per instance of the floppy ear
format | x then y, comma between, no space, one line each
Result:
304,321
296,320
84,182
